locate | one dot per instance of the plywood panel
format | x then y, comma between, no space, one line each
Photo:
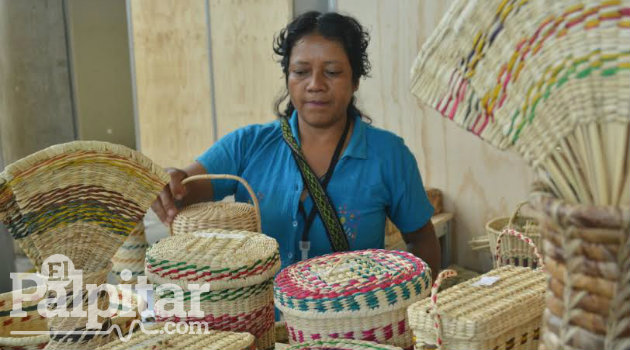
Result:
173,96
102,72
35,97
478,181
247,76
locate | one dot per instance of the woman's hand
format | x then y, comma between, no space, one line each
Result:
164,206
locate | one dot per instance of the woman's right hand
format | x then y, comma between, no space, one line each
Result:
164,206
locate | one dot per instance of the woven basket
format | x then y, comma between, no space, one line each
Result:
587,254
156,337
513,250
502,314
359,295
80,199
130,256
239,267
341,344
219,215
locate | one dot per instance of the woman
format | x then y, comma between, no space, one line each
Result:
321,145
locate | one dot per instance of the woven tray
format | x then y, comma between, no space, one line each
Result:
356,295
239,267
341,344
210,340
587,251
218,215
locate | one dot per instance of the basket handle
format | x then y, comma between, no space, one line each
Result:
516,212
434,308
231,177
522,237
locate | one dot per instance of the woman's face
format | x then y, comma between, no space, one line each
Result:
320,80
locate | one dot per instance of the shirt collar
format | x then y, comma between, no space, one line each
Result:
357,146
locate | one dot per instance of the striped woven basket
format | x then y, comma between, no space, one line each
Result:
341,344
80,199
501,309
238,266
157,337
218,215
130,256
359,295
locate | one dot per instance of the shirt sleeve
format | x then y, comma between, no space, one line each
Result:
225,157
410,209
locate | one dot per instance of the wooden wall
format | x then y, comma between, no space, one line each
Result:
479,182
182,105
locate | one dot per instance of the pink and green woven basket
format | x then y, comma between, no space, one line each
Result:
359,295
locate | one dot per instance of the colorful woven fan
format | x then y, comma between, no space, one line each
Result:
550,79
80,199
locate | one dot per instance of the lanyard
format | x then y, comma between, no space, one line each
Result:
305,244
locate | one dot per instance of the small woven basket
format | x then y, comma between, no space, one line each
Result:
130,256
587,258
341,344
359,295
513,250
501,309
218,215
238,266
157,337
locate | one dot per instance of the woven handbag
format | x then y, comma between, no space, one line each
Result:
219,215
157,337
130,256
341,344
587,259
238,266
501,309
359,295
513,250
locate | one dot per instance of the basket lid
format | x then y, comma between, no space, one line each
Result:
156,336
224,259
485,306
353,284
341,344
224,215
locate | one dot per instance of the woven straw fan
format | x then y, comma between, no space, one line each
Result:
80,199
550,79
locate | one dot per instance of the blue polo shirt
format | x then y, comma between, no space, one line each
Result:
376,177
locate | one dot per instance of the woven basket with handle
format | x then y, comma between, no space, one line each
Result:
221,215
501,309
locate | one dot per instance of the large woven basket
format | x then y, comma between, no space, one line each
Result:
341,344
359,295
513,250
130,256
483,313
238,266
220,215
587,255
157,337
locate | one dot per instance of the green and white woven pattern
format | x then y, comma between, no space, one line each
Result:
341,344
131,255
355,295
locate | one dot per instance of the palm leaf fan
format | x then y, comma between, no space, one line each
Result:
549,79
80,199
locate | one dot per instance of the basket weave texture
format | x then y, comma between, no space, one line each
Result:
341,344
130,255
355,295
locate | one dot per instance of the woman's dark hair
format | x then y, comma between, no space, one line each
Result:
333,26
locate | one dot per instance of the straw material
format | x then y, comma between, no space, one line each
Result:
80,199
357,295
587,254
218,215
206,340
513,250
548,79
33,321
341,344
131,255
239,267
505,314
